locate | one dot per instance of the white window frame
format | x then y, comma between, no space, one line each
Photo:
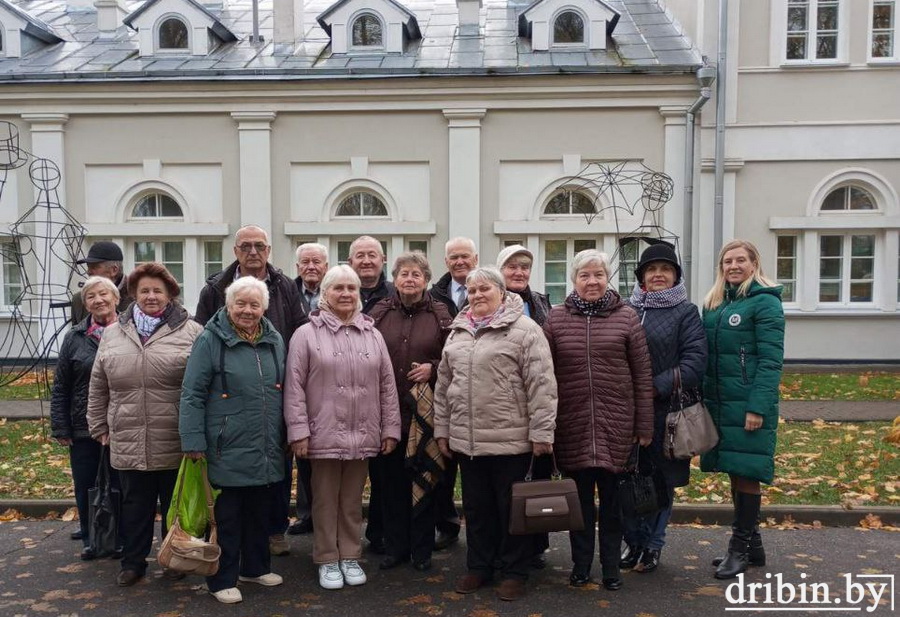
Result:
797,270
204,245
155,193
568,215
845,279
353,48
188,49
6,304
778,41
585,25
360,216
870,33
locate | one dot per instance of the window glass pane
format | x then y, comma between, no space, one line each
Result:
558,204
555,272
882,45
168,206
862,246
787,292
212,258
861,268
349,206
12,275
583,245
786,246
513,243
555,250
785,269
829,292
173,34
826,46
830,268
367,31
556,293
860,292
882,15
836,200
144,252
860,199
343,250
796,19
827,18
173,251
419,245
145,207
569,28
830,246
372,206
582,204
796,47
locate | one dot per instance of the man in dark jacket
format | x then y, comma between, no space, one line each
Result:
252,250
461,257
367,260
103,259
312,264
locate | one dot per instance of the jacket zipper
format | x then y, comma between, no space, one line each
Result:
262,387
471,414
591,393
353,410
219,438
744,365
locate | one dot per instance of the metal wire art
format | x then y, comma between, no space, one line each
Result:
38,256
631,196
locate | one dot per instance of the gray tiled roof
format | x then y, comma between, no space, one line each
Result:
645,40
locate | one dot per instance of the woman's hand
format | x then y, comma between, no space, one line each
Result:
420,373
444,447
300,448
195,456
644,441
752,421
540,449
103,439
64,441
388,444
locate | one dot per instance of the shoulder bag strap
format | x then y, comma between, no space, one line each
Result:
211,508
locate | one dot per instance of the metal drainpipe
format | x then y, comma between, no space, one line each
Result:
721,66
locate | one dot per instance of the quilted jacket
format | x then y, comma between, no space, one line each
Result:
605,385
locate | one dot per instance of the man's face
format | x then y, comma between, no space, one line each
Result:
460,260
311,267
107,269
367,259
252,249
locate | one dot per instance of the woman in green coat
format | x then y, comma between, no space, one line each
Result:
744,325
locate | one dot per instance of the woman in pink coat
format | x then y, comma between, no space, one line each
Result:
341,408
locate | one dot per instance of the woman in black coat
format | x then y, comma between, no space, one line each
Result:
676,339
68,405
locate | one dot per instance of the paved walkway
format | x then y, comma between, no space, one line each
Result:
40,574
797,411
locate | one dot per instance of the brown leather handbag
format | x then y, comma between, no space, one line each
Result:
183,553
540,506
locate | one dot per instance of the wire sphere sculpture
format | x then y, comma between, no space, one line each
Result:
39,253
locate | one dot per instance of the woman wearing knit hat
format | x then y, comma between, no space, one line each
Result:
515,262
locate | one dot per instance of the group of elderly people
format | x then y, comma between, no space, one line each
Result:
505,381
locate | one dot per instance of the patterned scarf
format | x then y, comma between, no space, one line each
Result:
422,455
666,298
251,336
592,309
147,324
95,330
478,323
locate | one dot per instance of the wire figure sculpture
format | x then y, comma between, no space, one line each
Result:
39,254
619,189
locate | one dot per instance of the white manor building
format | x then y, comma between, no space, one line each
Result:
174,122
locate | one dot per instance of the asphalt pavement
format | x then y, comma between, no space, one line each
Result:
41,575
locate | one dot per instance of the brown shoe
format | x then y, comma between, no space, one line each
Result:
172,575
511,589
469,583
278,545
127,578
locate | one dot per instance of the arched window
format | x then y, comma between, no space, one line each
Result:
156,205
361,204
367,31
173,34
569,202
849,198
568,29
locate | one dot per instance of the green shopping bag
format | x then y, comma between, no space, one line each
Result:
190,498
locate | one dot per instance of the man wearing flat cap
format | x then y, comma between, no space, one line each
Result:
103,259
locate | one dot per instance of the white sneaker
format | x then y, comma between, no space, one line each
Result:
353,573
268,580
330,576
232,595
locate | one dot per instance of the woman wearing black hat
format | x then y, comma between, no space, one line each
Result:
677,341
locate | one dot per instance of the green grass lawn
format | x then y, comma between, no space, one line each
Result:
816,463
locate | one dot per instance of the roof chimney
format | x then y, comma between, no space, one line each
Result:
469,17
110,14
287,18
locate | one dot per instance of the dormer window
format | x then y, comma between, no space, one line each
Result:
367,32
568,29
21,33
172,35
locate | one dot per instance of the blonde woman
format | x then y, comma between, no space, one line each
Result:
744,324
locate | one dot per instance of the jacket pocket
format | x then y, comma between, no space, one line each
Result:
224,423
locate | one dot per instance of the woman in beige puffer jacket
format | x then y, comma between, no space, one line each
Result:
494,405
133,405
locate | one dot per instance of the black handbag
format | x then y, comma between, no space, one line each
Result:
541,506
642,487
104,510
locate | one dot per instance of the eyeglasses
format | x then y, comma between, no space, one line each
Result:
248,247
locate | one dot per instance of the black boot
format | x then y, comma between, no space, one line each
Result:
757,551
738,558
